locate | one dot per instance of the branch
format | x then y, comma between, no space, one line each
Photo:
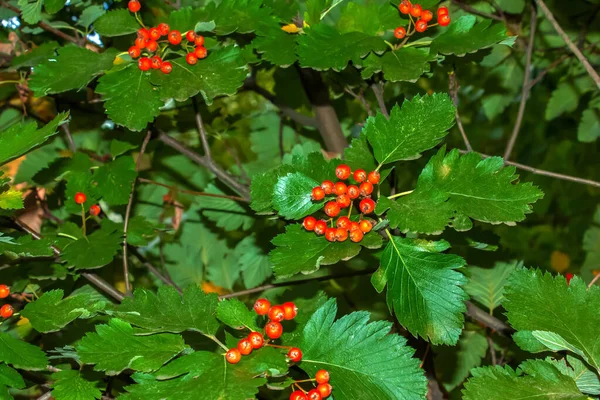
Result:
360,96
486,319
453,89
526,87
474,11
590,70
70,141
378,91
153,269
201,130
193,193
45,396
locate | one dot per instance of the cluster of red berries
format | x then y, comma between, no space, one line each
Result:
345,194
81,198
6,311
322,390
424,16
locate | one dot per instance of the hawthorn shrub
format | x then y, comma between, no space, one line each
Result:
281,199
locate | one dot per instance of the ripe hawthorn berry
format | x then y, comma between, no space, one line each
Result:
256,340
166,67
343,222
6,311
427,16
174,37
356,235
327,186
320,227
80,198
298,395
276,314
274,330
322,376
354,226
141,42
200,52
400,32
95,210
353,192
317,193
151,45
444,20
420,26
365,226
4,291
340,188
163,29
190,36
324,389
374,177
309,223
341,235
405,7
156,62
314,395
144,63
233,356
295,354
262,306
416,10
366,188
154,34
568,277
367,206
191,58
343,200
330,234
343,172
143,33
289,310
199,40
360,175
245,347
134,52
134,6
332,209
442,11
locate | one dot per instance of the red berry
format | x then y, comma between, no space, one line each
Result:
374,177
201,52
568,277
163,29
156,62
341,235
309,223
134,6
166,67
154,34
289,311
199,40
80,198
330,234
141,43
233,356
298,395
332,209
317,193
174,37
144,63
95,210
262,306
353,192
274,330
367,206
6,311
405,7
4,291
324,389
343,200
340,188
420,26
365,226
295,354
442,11
343,172
190,36
354,226
360,175
245,347
322,376
327,186
256,340
366,188
320,227
343,222
314,395
416,11
356,235
400,32
191,58
143,33
444,20
427,16
152,46
134,51
276,314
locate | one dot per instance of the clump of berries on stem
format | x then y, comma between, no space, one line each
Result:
419,20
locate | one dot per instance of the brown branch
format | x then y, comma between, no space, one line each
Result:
360,96
590,70
201,130
167,280
193,193
474,11
70,141
486,319
453,89
492,351
593,281
378,91
526,87
45,396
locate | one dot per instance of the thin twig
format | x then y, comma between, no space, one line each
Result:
590,70
281,144
70,141
360,96
378,91
201,129
594,281
453,89
526,87
486,319
167,280
474,11
128,212
492,350
194,193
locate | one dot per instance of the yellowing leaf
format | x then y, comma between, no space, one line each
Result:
559,261
290,28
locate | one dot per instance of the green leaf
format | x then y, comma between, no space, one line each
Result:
534,379
364,360
116,23
486,285
11,199
25,246
369,18
115,347
129,97
226,213
235,314
221,73
466,35
54,6
90,14
21,138
511,6
168,311
261,189
224,272
403,136
50,313
10,377
589,126
535,301
95,250
586,380
405,64
253,262
140,231
31,11
114,180
70,385
292,196
278,47
424,289
591,246
36,55
565,98
322,47
242,16
118,147
20,354
299,251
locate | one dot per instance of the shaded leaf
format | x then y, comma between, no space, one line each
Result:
116,23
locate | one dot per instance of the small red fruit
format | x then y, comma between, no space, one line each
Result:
143,33
151,46
309,223
4,291
6,311
314,395
154,34
95,210
262,306
233,356
353,192
199,40
374,177
366,188
365,226
322,376
190,36
444,20
320,227
340,188
295,354
134,6
245,347
144,63
427,16
343,172
343,222
416,11
174,37
568,277
80,198
156,62
343,200
191,58
356,235
332,209
201,52
274,330
298,395
367,206
163,29
405,7
134,51
442,11
166,67
317,193
289,311
256,340
420,26
400,32
140,43
276,314
324,389
327,186
360,175
341,235
330,234
354,226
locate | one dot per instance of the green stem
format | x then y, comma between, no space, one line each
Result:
67,235
217,341
400,194
83,220
11,81
138,19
